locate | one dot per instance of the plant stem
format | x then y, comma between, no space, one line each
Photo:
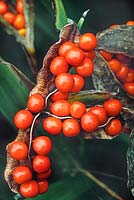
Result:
100,184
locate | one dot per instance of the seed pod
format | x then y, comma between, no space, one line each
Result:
45,84
117,40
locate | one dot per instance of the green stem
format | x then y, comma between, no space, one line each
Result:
100,184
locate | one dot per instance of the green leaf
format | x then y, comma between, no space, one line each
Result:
90,97
62,189
82,19
5,192
48,5
77,187
61,18
13,90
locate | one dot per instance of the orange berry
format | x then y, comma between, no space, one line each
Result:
87,41
65,47
20,6
71,128
113,107
42,145
10,17
64,82
74,56
78,83
3,7
22,174
115,65
123,73
35,103
43,186
58,65
59,95
44,175
41,164
19,21
129,88
29,189
106,55
130,23
52,125
89,122
86,68
130,76
22,32
77,109
60,108
23,119
114,127
91,54
18,150
114,25
100,113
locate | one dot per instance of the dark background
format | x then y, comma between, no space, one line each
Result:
105,156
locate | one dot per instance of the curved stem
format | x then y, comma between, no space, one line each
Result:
107,122
49,95
31,134
58,117
100,184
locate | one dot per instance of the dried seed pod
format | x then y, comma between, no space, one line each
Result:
98,134
45,84
117,40
12,163
130,163
103,79
45,80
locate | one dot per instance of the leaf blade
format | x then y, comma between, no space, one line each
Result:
61,17
90,97
12,84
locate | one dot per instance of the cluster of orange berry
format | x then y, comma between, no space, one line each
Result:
66,117
32,179
81,118
119,64
17,20
32,182
128,23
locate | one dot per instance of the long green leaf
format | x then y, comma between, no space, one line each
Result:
13,90
90,97
61,18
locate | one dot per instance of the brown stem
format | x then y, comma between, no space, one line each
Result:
100,184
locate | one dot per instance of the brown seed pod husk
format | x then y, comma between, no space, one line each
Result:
12,163
117,40
45,84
